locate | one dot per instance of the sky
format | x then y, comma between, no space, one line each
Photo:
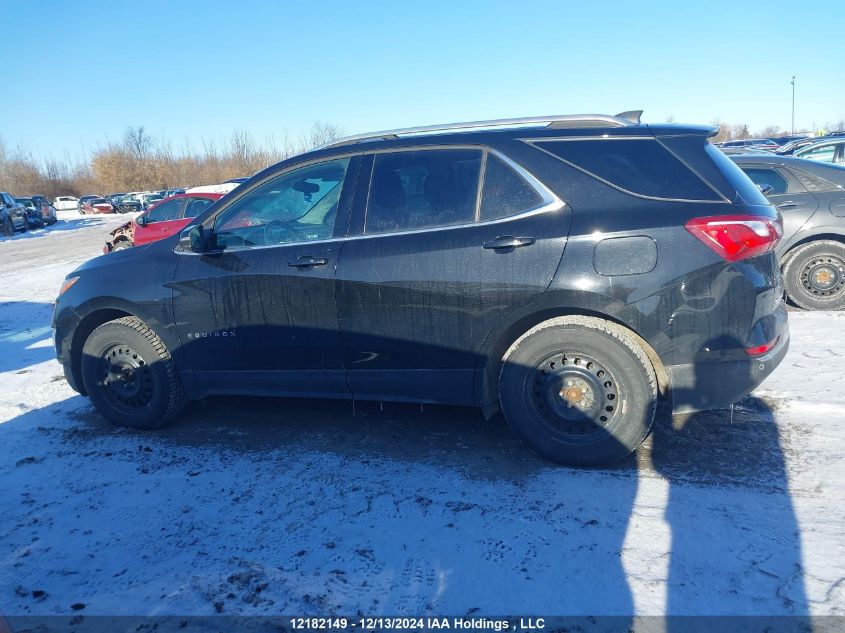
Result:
197,71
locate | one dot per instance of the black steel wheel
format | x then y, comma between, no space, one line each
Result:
126,379
575,395
578,390
130,376
814,275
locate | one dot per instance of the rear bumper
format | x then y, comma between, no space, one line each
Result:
716,385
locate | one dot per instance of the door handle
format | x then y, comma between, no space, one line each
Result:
787,205
306,261
508,241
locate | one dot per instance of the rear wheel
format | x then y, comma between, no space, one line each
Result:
578,390
130,376
814,275
8,227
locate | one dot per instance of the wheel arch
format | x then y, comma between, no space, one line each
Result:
507,334
88,324
813,237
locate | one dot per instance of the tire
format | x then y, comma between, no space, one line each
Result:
814,275
144,391
578,390
122,244
8,227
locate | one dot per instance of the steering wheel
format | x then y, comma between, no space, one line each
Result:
279,232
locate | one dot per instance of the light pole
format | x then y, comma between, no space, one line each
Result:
793,103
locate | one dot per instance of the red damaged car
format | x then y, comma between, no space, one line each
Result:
162,220
96,205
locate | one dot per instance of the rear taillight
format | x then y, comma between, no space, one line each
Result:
762,349
736,237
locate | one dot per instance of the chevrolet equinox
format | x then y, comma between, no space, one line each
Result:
568,271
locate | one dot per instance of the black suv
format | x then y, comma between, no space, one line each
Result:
567,270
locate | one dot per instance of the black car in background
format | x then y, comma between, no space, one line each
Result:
34,219
13,215
568,271
810,196
125,204
48,211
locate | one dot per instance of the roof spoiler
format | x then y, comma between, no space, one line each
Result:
630,115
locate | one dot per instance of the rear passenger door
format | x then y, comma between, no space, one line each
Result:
444,243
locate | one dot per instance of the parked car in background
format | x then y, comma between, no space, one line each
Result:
97,205
830,151
810,196
792,146
12,215
83,200
150,199
762,143
66,203
428,265
788,138
48,211
123,203
222,188
162,220
34,220
169,193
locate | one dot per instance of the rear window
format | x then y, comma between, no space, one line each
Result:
505,192
639,166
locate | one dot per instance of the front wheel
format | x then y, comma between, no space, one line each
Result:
130,375
8,227
578,390
814,275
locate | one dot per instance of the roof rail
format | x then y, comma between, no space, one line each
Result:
554,122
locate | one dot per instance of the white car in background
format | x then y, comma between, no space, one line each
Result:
223,188
66,203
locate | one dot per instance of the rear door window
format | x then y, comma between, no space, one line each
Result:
422,189
762,176
824,153
639,166
505,192
165,211
196,206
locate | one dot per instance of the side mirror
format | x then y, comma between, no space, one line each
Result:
765,189
142,220
198,239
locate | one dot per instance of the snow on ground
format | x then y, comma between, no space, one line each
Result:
257,506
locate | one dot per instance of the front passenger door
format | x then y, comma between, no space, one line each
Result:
161,221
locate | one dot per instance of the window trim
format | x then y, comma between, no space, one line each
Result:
532,142
549,201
